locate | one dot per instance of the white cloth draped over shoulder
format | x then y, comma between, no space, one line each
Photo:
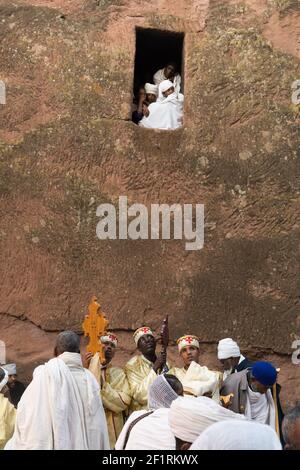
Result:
260,407
159,77
190,416
165,113
150,433
237,435
61,409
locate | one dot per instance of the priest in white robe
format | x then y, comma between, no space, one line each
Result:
61,409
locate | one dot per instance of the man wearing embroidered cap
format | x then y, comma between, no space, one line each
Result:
197,380
114,386
255,394
143,369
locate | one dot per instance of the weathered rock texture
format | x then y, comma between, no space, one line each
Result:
67,144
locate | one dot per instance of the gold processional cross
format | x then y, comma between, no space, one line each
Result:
95,325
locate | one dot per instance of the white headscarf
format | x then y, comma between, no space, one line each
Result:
237,435
164,86
190,416
4,380
228,348
160,394
150,88
11,369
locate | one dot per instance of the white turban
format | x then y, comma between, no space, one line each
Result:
5,379
165,85
190,416
160,394
150,88
237,435
228,348
10,368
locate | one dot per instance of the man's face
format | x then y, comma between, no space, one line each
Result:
147,344
109,351
189,354
258,387
151,97
294,437
11,381
168,92
227,364
169,71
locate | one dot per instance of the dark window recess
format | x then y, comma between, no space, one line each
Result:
154,50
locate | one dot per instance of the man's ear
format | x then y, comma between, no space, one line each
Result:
287,447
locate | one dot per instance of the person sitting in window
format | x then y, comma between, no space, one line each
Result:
167,112
139,105
168,73
147,95
151,93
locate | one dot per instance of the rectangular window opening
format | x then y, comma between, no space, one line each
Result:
155,50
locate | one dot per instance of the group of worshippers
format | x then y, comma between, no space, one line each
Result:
76,402
159,105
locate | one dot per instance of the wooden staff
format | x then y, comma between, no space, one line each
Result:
165,341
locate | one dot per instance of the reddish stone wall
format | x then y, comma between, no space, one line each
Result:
67,144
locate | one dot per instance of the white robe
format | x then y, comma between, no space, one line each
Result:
260,407
159,77
165,113
61,409
151,433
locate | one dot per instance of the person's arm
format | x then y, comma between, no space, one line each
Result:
138,385
116,395
7,424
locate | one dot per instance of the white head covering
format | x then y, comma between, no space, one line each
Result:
188,340
109,337
151,88
164,86
4,380
144,330
10,368
190,416
160,394
237,435
228,348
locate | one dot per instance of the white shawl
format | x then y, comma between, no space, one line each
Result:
150,433
61,409
166,113
159,77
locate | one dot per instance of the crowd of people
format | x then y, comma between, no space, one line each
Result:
159,105
75,401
